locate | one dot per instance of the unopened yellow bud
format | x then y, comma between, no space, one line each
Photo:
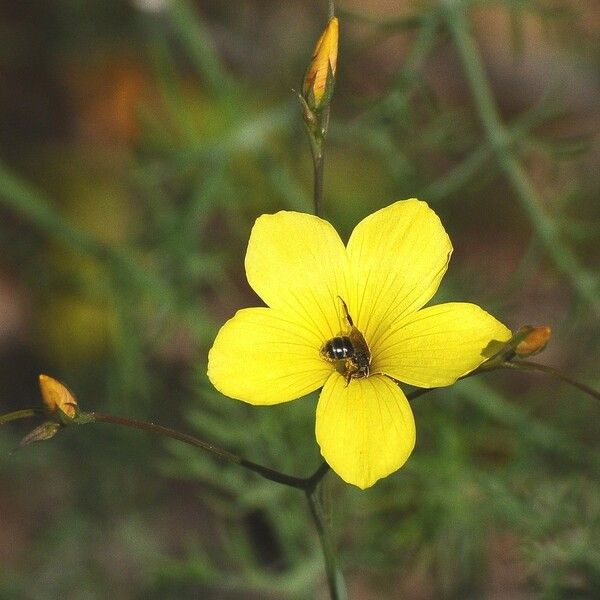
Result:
320,76
57,397
534,342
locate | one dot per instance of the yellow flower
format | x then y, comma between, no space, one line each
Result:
320,75
390,268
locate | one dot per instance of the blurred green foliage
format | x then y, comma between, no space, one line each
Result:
168,128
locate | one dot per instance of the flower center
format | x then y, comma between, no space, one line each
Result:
349,353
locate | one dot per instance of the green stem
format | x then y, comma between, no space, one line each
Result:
318,167
20,414
330,9
546,230
315,478
335,578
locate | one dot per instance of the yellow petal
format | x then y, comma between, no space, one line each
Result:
297,262
398,256
435,346
262,356
366,430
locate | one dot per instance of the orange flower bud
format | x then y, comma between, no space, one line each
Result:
57,397
534,342
319,79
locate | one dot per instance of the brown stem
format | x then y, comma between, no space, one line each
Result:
526,365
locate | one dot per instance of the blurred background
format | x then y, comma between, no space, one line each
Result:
139,141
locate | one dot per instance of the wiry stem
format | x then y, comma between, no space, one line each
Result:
335,578
526,365
518,365
318,167
307,483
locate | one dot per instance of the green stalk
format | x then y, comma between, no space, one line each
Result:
545,228
335,578
318,167
20,414
330,9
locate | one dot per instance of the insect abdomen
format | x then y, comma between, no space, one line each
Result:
338,348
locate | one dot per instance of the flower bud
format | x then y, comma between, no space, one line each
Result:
534,342
317,87
59,402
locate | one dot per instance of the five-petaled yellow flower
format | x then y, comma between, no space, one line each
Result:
390,268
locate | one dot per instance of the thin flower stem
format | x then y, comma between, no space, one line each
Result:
266,472
315,478
318,166
330,9
335,578
519,365
525,365
497,133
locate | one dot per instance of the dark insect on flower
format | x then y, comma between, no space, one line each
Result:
350,353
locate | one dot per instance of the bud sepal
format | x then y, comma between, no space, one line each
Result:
527,341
